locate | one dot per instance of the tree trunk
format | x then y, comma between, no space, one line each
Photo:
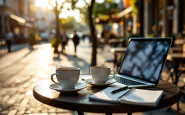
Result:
57,24
92,34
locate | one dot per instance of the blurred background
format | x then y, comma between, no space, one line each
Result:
31,42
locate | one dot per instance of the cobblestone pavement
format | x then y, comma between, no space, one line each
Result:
21,70
14,48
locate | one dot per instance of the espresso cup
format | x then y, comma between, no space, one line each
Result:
100,74
67,77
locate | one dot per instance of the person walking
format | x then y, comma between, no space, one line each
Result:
76,41
64,40
9,37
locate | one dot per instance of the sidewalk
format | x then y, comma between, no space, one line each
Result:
14,48
20,71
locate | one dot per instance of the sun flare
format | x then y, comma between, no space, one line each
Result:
41,3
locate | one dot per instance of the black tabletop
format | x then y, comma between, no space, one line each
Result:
80,101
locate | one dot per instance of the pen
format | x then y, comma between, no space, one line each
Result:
89,82
118,90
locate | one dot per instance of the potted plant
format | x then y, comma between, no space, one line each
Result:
55,44
32,38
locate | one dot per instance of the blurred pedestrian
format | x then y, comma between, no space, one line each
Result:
154,31
103,33
183,32
64,40
9,37
76,41
129,32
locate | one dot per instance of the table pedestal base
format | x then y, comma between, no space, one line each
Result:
108,114
81,113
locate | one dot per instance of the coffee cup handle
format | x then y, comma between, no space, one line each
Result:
113,74
52,75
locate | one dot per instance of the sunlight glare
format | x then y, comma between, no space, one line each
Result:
41,3
66,13
29,93
80,4
100,1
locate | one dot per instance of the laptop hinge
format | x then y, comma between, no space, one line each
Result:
135,79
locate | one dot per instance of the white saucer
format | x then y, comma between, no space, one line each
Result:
79,86
107,83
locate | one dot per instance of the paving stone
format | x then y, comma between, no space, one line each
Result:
20,112
52,110
12,99
44,110
20,97
52,114
39,114
12,112
59,110
5,98
35,111
24,69
24,102
21,108
4,112
2,92
1,99
28,112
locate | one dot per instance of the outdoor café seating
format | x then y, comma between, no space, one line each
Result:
117,49
171,69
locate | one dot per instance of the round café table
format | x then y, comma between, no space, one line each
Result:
80,101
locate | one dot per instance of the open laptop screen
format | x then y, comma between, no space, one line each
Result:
145,57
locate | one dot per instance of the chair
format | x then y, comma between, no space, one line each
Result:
171,69
116,61
110,60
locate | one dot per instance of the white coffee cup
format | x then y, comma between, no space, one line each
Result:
100,74
67,77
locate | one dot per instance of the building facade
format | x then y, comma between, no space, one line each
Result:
14,16
159,18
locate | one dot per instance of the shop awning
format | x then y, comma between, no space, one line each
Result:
114,17
21,21
18,19
124,12
29,25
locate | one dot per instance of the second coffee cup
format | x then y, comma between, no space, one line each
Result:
67,77
100,74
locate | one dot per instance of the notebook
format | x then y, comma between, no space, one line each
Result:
129,96
143,62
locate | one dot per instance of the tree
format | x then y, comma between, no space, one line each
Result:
107,8
68,23
94,9
90,7
57,9
57,23
93,35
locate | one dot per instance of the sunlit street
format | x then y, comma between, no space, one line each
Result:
23,69
92,57
29,66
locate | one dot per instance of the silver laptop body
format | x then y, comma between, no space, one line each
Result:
143,61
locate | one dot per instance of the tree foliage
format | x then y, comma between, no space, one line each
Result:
68,23
135,6
105,8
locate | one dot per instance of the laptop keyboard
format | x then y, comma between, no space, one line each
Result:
127,81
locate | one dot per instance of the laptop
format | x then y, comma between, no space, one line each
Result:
143,62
